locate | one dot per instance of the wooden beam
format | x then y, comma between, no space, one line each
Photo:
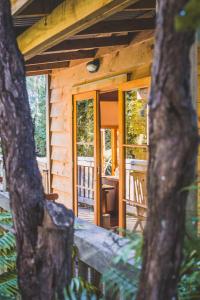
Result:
18,5
66,20
36,73
46,67
90,43
59,57
143,5
120,26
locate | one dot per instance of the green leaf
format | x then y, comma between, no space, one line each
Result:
189,16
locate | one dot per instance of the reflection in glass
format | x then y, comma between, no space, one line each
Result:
85,158
135,118
136,148
85,121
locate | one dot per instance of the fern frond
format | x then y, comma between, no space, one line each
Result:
7,243
8,284
6,218
8,262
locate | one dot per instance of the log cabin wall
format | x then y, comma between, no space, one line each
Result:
135,60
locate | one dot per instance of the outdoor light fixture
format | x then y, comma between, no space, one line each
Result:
93,66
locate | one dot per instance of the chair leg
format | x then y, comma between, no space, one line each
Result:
136,225
141,226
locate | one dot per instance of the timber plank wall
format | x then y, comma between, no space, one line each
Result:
134,59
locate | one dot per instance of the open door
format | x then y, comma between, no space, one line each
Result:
87,162
133,147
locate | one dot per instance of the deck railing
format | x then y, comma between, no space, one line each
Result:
95,249
3,185
86,178
43,167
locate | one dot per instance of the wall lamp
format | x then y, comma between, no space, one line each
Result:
93,66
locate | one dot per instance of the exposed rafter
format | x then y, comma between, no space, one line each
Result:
45,67
120,26
59,57
143,5
79,44
65,21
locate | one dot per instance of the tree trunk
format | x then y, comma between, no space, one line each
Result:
23,177
173,152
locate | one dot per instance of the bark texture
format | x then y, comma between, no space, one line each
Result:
23,177
173,152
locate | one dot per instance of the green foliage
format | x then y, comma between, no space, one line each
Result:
189,16
8,285
108,152
189,284
85,128
135,124
7,243
36,87
117,278
5,220
8,278
79,289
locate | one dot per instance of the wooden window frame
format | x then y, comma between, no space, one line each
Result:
97,156
125,87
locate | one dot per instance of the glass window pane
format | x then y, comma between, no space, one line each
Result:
85,188
136,117
85,158
85,121
85,150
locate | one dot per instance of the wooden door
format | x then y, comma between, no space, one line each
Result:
133,142
87,164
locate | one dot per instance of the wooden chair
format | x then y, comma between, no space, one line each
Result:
139,198
51,197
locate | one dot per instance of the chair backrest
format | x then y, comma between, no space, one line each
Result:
51,197
140,188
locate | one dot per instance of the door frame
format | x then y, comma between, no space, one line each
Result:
97,157
124,87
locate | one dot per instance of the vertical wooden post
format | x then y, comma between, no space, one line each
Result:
122,221
97,158
55,243
48,132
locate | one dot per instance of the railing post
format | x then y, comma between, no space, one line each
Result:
83,270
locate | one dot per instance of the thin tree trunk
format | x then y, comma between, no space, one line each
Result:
173,152
24,180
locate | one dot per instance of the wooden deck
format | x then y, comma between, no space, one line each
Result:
87,214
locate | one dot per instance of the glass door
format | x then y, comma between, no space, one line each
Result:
87,157
133,141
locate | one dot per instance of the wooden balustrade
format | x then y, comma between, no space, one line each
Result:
44,171
3,185
43,167
85,185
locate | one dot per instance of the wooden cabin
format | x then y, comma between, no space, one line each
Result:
97,55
